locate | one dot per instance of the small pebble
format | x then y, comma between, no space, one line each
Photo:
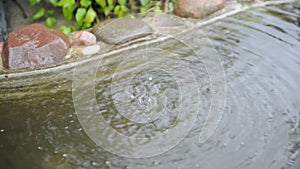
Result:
84,38
65,155
2,130
91,49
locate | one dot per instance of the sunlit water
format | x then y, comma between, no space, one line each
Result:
259,49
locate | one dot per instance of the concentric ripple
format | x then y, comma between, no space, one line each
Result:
144,100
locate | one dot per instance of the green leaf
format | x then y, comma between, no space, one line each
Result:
50,22
86,25
117,9
102,3
54,3
107,10
110,2
143,9
90,16
124,8
65,29
39,13
49,12
34,2
121,14
68,11
79,16
144,2
85,3
63,3
157,8
122,2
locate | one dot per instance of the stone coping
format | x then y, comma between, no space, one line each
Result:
69,62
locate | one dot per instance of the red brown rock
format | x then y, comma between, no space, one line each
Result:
34,45
197,8
83,38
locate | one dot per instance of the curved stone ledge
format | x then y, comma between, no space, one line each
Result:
58,77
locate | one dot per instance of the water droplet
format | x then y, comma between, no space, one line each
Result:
65,155
213,91
155,163
95,164
107,162
132,96
251,156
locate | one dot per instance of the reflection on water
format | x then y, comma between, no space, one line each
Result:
259,129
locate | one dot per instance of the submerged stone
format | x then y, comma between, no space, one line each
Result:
197,8
34,45
118,31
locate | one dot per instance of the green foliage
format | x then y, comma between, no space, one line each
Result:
50,22
85,13
34,2
65,29
39,13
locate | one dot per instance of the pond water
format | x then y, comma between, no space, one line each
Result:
147,92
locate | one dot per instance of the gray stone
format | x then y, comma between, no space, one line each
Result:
118,31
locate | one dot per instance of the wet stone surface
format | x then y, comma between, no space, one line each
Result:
34,45
197,8
118,31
